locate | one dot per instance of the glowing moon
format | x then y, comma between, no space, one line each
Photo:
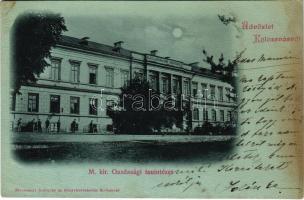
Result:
177,32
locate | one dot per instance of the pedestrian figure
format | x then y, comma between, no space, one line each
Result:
47,124
34,125
39,126
91,127
58,126
19,125
73,126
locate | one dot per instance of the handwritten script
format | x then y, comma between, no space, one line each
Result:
266,146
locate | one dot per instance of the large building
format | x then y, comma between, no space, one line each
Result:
70,89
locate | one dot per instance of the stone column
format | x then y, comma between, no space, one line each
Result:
170,83
159,81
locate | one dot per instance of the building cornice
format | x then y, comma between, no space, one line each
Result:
92,52
65,88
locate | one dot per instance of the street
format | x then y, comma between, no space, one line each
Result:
67,148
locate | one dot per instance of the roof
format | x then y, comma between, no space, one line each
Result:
206,72
93,46
102,48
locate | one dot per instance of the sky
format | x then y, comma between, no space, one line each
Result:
179,29
178,35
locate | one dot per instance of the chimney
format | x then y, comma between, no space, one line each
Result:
117,45
84,41
153,52
195,64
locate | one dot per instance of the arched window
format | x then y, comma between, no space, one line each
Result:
222,115
205,114
195,114
213,114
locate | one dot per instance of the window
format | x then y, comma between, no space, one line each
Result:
230,116
110,105
213,115
235,116
204,90
205,114
212,91
54,104
93,106
92,74
186,88
75,71
228,94
175,85
166,87
194,89
221,96
109,77
153,79
124,77
33,102
222,116
55,69
13,102
195,114
139,74
74,102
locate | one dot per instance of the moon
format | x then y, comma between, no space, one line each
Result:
177,32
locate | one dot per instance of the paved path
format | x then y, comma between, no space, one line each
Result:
28,138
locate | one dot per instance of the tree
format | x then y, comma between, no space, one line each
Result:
141,110
33,36
221,68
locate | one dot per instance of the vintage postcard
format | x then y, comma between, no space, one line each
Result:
178,99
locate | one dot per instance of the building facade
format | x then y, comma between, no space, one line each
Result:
85,77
